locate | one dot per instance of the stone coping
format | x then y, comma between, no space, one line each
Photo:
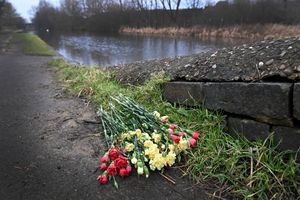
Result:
272,60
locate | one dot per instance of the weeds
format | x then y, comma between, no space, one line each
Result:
252,170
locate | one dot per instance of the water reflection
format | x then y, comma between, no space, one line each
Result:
120,49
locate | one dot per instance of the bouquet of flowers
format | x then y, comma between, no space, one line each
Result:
140,139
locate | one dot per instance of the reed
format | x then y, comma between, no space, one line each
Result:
257,31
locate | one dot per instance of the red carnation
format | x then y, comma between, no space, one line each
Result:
193,143
124,151
104,159
123,172
171,132
111,170
196,136
103,179
128,169
181,134
163,121
114,153
176,139
121,162
103,166
172,126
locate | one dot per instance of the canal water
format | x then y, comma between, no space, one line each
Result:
109,50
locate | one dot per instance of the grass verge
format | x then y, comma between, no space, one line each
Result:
245,169
32,45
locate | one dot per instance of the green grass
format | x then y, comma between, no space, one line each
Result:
32,45
244,169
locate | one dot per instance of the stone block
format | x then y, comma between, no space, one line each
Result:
296,101
289,137
251,129
266,102
185,93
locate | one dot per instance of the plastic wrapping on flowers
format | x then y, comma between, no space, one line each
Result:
140,139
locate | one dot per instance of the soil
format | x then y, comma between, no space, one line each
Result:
47,151
276,60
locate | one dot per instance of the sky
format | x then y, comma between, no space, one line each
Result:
24,7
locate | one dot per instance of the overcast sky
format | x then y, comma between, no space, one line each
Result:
24,7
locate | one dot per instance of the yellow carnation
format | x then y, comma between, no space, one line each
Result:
126,136
129,147
170,158
152,167
156,114
156,137
171,147
153,150
148,143
158,161
132,133
138,133
183,145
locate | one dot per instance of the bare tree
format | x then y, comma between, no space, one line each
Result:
173,7
194,3
94,7
72,7
140,4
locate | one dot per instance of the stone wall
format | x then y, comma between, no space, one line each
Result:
257,85
252,109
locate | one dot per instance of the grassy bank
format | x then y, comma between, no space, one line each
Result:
32,45
274,31
249,170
